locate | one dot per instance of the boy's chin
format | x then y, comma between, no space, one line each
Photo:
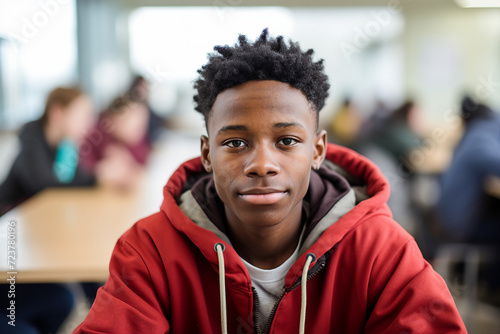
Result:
262,219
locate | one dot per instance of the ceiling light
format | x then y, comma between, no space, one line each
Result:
478,3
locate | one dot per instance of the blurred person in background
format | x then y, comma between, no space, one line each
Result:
463,205
345,125
49,155
118,148
398,135
376,120
139,90
467,213
388,138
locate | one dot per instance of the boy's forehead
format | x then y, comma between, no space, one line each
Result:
267,98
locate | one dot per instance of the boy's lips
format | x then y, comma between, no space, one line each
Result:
263,196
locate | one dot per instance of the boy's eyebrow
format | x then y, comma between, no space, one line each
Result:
245,128
287,125
232,128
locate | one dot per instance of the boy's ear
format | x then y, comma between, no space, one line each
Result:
205,154
320,145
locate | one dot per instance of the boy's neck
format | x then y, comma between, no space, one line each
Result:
267,247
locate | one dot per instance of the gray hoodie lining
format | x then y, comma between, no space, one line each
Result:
193,211
360,189
343,206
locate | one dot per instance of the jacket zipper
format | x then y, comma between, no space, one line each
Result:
313,272
256,305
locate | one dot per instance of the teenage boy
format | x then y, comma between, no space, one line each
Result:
271,230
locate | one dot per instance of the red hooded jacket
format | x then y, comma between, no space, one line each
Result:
367,275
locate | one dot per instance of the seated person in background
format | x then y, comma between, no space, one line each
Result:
345,125
49,155
390,136
139,90
399,134
462,205
118,148
271,230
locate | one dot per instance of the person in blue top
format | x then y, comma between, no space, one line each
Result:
465,210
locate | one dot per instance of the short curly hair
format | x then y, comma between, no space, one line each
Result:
266,59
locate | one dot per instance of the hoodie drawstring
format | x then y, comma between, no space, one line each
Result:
219,248
303,305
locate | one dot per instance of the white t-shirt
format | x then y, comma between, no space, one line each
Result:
269,283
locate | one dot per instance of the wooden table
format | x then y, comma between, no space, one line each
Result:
65,235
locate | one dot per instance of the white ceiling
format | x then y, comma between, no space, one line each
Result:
408,4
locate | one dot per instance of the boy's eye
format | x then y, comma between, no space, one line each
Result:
287,141
235,143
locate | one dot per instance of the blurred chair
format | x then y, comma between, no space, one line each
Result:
449,255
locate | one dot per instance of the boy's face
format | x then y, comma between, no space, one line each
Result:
262,144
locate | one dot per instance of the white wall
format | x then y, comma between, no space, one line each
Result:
449,51
38,53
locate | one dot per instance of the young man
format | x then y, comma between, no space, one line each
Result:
271,230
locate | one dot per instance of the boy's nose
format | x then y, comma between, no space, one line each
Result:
261,162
